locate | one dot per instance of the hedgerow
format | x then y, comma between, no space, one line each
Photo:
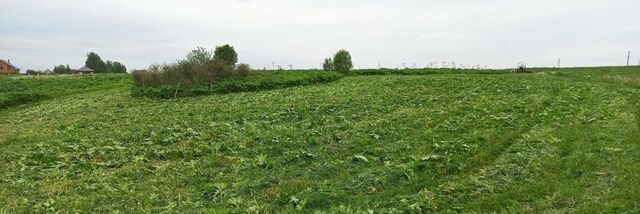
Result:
256,81
205,72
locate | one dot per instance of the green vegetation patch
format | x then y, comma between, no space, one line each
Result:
255,81
427,71
27,89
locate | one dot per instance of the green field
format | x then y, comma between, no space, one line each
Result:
28,89
551,141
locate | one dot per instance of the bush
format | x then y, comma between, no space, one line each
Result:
221,69
243,70
199,68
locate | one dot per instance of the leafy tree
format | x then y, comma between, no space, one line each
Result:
226,53
108,67
68,69
60,69
200,56
119,68
115,67
342,62
328,64
94,62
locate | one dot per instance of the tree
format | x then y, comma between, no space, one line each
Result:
200,56
342,62
328,64
108,67
115,67
60,69
68,69
94,62
119,68
227,54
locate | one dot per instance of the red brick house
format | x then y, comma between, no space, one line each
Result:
7,68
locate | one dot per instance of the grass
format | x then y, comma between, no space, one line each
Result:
427,71
551,141
27,89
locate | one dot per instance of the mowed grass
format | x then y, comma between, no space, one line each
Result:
520,143
18,90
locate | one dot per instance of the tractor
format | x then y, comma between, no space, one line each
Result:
522,67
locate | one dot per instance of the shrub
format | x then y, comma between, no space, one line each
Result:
221,69
342,62
243,70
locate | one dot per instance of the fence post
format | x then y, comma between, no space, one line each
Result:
176,94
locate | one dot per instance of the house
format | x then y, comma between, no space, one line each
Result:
7,68
84,70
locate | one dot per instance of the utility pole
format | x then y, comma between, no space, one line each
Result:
628,58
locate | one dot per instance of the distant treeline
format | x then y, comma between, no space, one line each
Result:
93,61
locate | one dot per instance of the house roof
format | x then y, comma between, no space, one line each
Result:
6,62
85,69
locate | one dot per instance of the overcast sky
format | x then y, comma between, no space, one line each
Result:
38,34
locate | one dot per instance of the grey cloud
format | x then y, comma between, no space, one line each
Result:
39,34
